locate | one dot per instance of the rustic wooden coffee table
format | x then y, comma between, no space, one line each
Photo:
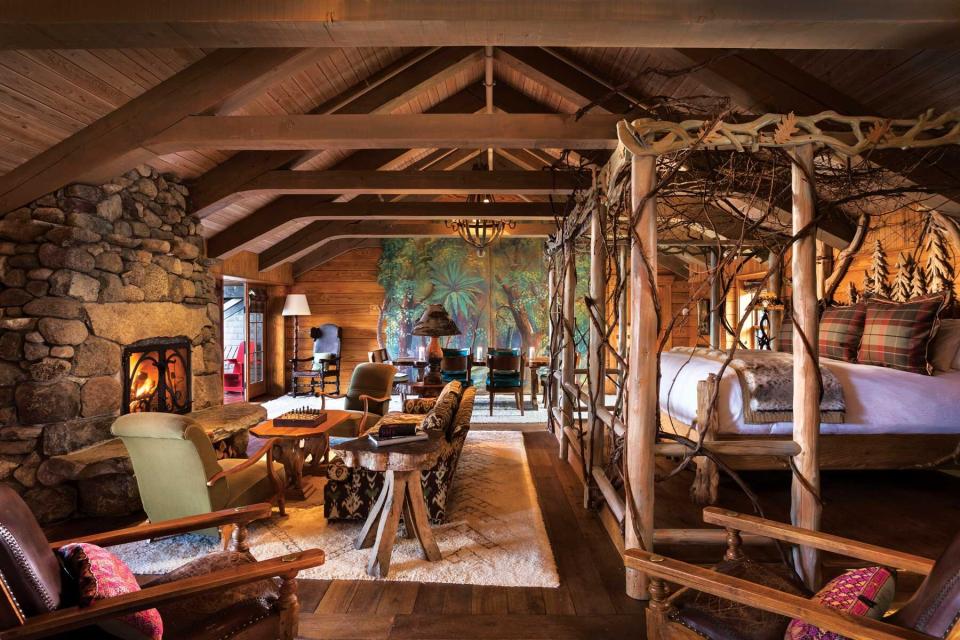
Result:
296,442
401,465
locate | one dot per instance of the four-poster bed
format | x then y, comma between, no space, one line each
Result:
648,427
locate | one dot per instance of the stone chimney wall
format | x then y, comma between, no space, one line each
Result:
84,272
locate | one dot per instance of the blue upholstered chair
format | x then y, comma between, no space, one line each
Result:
505,375
457,364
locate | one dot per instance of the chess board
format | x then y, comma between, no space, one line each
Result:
303,418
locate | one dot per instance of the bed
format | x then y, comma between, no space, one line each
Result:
894,419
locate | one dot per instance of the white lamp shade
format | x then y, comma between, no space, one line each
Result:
296,305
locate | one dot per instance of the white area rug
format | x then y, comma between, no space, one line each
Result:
494,534
504,408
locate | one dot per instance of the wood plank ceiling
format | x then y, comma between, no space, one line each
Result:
47,95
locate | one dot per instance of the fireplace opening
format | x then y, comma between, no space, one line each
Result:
156,376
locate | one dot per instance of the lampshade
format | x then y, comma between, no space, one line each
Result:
435,322
296,305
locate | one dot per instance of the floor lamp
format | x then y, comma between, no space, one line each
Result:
296,305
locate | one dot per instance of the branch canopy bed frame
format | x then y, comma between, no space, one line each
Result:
869,437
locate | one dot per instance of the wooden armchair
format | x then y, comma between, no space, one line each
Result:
932,611
32,604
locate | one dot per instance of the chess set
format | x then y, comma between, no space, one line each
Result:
304,417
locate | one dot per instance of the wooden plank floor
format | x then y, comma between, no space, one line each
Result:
589,604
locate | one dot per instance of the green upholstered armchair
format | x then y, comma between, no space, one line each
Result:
178,473
367,399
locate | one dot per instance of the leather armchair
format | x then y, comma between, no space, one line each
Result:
178,473
367,399
33,603
932,611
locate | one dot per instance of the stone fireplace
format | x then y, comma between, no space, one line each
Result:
90,276
156,376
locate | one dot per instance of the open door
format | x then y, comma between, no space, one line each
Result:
256,316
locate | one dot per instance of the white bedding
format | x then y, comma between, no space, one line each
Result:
879,400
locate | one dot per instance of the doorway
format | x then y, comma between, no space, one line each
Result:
244,309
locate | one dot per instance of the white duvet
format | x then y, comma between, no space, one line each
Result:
879,400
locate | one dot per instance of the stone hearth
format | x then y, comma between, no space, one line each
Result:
86,271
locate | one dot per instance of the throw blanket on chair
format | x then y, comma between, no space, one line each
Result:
766,380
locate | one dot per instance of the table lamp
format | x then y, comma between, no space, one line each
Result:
435,323
296,305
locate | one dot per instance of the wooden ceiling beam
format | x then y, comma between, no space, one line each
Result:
385,91
563,78
361,229
113,144
416,182
815,24
343,214
262,220
381,131
332,249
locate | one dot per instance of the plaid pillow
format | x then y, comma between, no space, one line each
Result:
898,335
840,331
785,334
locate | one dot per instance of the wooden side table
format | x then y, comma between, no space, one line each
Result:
296,442
401,465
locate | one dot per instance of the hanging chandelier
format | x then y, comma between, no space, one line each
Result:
480,234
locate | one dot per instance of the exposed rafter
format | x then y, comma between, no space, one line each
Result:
592,131
361,229
385,91
815,24
113,144
416,182
332,249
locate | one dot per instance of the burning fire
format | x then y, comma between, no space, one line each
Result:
141,390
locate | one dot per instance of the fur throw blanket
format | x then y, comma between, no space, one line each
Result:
766,379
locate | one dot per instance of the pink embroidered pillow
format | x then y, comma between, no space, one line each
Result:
101,575
864,592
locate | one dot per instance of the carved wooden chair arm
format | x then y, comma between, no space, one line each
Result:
63,620
366,406
265,450
239,515
323,395
758,596
823,541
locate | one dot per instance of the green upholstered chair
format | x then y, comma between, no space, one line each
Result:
456,364
178,473
505,375
401,379
367,399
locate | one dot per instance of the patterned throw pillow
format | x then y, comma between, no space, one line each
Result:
101,575
840,331
865,592
897,335
785,335
441,415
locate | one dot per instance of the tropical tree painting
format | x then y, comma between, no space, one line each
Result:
498,299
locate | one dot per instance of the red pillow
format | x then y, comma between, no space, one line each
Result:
840,331
101,575
897,335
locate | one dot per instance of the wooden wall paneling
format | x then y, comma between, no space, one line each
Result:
343,291
275,363
245,265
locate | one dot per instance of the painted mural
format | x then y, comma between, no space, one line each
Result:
498,299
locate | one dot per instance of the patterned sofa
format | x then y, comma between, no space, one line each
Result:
350,493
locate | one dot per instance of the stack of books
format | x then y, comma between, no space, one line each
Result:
399,433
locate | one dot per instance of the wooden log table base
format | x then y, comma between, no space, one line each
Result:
401,492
